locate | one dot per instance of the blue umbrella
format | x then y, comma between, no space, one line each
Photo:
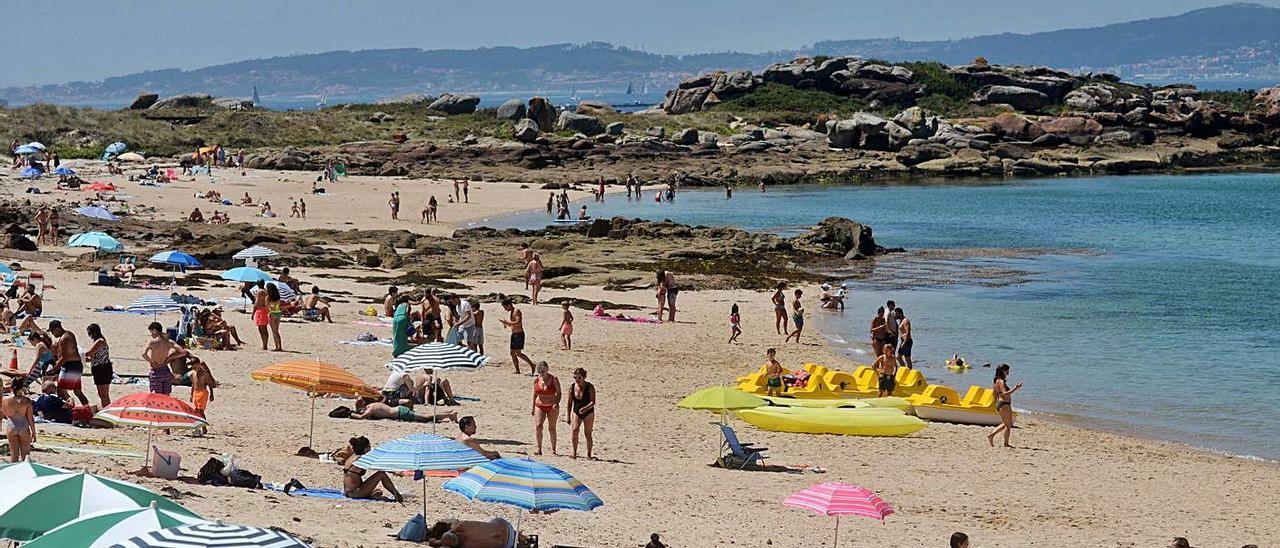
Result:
524,483
176,258
97,240
63,170
116,148
31,172
245,274
97,212
36,145
25,149
420,452
4,269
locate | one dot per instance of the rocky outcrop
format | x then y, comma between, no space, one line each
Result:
918,122
1053,83
1099,97
543,113
406,99
687,137
581,123
288,159
867,131
1015,127
838,236
615,128
144,101
187,100
686,100
232,104
449,103
1076,129
526,131
594,108
1267,105
513,110
20,242
1024,99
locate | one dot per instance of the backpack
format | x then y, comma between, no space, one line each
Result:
211,473
245,478
340,412
415,530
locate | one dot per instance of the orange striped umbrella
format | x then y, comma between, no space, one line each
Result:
317,379
152,411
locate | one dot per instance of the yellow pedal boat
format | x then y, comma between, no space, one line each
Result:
868,421
942,404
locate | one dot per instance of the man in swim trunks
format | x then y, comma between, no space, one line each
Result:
158,353
495,533
67,366
904,337
886,367
890,324
516,323
773,374
366,410
878,336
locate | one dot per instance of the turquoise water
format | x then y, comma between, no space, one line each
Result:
1148,304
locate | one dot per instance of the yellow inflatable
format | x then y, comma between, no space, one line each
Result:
849,422
828,384
942,404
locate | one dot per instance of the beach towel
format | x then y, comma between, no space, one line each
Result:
627,320
374,324
120,311
319,493
380,342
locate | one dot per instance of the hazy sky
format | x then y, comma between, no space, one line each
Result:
69,40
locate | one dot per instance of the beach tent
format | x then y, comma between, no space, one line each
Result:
96,212
131,157
31,173
63,170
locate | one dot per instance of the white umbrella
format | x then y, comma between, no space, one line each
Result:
441,357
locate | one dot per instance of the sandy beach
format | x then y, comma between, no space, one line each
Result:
1063,485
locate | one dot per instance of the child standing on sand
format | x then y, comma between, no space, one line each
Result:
735,321
566,327
202,385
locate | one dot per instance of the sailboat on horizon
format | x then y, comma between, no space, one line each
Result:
630,89
324,101
257,102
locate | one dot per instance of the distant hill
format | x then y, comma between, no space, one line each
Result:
1236,42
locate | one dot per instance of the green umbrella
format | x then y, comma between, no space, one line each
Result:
109,528
20,471
33,507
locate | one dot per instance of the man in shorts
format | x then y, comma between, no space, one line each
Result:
886,367
773,374
157,354
904,337
516,323
67,364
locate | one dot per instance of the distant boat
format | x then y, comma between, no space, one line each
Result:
573,95
256,100
644,88
630,90
324,101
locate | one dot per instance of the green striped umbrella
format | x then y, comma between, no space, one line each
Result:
11,473
33,507
105,529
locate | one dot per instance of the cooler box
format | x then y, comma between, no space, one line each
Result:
165,464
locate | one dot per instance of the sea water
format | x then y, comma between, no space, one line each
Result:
1144,304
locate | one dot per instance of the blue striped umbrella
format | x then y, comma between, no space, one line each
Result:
421,452
524,483
176,258
154,304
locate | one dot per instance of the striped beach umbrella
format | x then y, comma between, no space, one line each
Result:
438,355
214,535
524,483
317,379
105,529
175,258
419,453
840,499
151,410
286,293
251,255
33,507
154,304
25,470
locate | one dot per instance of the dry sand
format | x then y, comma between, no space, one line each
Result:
1063,486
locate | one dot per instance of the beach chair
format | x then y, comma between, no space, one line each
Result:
744,453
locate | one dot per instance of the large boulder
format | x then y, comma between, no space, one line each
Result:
1072,128
1053,83
1098,97
450,103
595,108
862,130
682,101
232,104
542,112
878,90
789,73
20,242
615,128
918,122
1267,105
406,99
186,100
144,101
838,236
581,123
513,109
687,136
1024,99
1015,126
884,73
728,85
1205,122
526,131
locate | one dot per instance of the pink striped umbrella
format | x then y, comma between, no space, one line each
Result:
840,499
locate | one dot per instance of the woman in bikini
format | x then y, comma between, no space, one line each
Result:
533,273
45,359
355,485
780,310
661,293
566,327
273,314
260,315
582,410
1004,404
546,405
19,422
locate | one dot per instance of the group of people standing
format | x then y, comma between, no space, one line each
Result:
781,321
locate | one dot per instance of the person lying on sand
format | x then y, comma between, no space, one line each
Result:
366,410
495,533
52,408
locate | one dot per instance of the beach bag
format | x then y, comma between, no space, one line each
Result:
414,530
211,473
245,478
341,412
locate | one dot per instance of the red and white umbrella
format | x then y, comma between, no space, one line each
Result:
840,499
152,410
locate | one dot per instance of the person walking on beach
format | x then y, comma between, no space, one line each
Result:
394,202
1004,404
582,411
886,366
780,310
434,217
19,421
533,273
157,354
546,405
904,337
202,385
673,291
551,200
890,324
735,323
68,366
878,337
99,357
566,326
466,191
274,313
773,385
516,323
457,190
661,285
302,207
797,318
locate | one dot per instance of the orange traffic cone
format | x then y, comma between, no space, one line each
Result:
13,361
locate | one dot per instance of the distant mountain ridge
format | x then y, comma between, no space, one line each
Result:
1230,42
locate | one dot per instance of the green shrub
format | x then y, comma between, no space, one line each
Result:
778,98
1240,100
939,82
